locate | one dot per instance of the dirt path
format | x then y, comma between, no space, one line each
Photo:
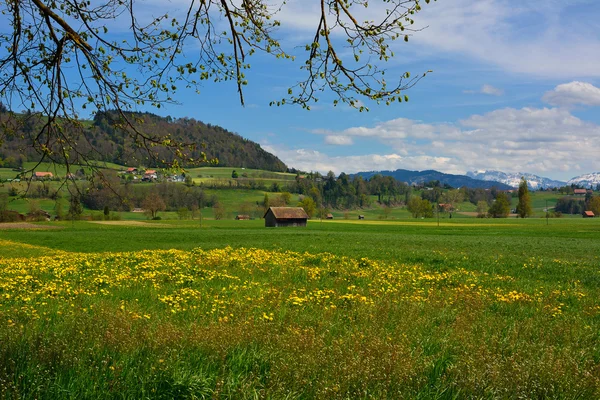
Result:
131,223
26,225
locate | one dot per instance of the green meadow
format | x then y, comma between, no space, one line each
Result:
472,308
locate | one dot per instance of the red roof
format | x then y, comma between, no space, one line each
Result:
44,174
579,191
150,172
589,213
131,169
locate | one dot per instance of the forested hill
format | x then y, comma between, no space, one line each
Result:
102,141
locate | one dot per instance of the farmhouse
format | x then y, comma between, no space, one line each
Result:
588,214
285,216
582,192
149,175
42,175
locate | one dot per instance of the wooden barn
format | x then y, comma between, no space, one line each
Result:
588,214
285,216
329,216
240,217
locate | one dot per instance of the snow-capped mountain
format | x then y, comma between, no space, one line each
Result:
513,179
586,180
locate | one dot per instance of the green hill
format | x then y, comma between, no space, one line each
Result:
104,139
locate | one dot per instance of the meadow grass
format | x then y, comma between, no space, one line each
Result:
340,309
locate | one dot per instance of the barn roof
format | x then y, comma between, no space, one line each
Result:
288,212
589,213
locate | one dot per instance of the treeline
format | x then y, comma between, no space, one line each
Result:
167,196
345,192
103,139
573,205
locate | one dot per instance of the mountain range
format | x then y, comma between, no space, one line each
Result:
513,179
591,180
419,177
486,179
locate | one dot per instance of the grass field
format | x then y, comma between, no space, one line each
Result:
340,309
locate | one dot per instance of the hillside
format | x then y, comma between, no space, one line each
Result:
418,177
101,140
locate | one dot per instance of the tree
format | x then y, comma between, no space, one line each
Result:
414,206
218,211
426,209
594,205
453,197
501,206
420,208
183,213
524,206
75,208
3,202
285,197
153,203
234,174
309,205
61,58
482,208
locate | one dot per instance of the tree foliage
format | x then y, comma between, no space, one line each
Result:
594,205
65,58
501,206
524,206
153,203
420,207
309,205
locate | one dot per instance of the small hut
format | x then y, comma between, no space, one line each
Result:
588,214
285,216
242,217
329,216
361,217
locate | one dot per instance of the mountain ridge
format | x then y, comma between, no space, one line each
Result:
102,140
534,182
419,177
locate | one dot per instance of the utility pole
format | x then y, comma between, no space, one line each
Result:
438,213
547,213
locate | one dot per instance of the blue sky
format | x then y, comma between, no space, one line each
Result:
515,87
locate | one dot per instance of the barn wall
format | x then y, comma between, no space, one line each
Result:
270,220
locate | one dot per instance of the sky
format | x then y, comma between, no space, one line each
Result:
515,86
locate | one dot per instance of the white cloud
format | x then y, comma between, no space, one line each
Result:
538,140
486,89
338,140
548,40
489,89
573,93
312,160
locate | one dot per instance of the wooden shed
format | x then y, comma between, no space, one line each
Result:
285,216
329,216
588,214
361,217
240,217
